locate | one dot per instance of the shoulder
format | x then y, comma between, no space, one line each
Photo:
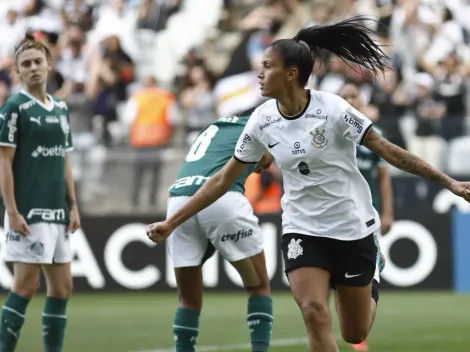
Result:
13,102
58,103
330,104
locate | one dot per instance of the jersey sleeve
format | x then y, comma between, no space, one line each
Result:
9,125
68,136
249,149
350,123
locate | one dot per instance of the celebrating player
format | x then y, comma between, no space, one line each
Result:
375,171
228,226
38,191
328,218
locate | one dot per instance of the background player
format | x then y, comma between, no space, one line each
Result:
38,191
375,171
228,226
328,217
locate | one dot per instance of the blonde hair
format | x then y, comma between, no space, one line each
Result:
29,42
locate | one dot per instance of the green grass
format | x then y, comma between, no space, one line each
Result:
412,322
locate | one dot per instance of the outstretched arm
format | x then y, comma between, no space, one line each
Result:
412,164
213,189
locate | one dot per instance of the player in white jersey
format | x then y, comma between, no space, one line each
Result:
328,217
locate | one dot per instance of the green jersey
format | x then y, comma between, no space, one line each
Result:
211,150
367,163
41,135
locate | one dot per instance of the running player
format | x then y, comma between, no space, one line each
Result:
228,226
375,171
328,218
38,192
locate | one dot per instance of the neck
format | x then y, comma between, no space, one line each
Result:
39,93
293,101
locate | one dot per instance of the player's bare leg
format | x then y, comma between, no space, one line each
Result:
186,322
54,316
25,283
260,307
309,287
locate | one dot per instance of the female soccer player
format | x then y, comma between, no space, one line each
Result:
328,218
38,191
228,226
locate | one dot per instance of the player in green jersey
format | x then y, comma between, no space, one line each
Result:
375,171
38,191
228,226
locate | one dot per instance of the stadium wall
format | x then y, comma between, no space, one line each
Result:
427,248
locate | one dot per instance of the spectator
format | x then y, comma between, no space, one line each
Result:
150,114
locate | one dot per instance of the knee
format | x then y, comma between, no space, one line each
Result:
61,290
26,286
190,301
354,336
315,313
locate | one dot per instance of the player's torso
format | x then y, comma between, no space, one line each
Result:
39,164
323,187
211,150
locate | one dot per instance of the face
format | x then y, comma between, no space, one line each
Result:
272,75
196,75
350,93
32,67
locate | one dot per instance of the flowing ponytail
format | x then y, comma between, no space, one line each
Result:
349,40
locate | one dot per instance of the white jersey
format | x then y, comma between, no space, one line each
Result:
325,194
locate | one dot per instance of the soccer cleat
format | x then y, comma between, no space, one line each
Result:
360,346
380,257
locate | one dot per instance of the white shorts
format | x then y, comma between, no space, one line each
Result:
227,225
46,244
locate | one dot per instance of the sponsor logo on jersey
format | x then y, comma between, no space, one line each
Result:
12,127
245,140
188,181
319,139
28,105
52,119
64,123
236,236
46,152
269,122
317,116
47,214
297,150
36,119
357,124
364,164
61,105
12,237
303,168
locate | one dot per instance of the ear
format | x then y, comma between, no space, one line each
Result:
292,74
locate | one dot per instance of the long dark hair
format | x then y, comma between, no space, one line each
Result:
349,40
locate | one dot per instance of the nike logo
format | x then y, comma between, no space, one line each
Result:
347,276
273,145
37,120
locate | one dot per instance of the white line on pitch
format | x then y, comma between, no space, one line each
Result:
275,342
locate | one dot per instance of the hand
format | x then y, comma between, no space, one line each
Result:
159,231
18,224
386,222
74,221
461,189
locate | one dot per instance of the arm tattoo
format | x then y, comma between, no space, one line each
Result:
404,160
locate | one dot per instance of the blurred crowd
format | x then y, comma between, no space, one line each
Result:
142,77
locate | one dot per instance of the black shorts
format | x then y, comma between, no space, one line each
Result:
350,263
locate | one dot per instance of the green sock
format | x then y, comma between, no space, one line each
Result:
260,321
13,315
186,329
54,320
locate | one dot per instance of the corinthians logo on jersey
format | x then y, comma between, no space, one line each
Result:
319,139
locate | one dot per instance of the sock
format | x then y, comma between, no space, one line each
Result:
260,321
186,329
54,320
13,315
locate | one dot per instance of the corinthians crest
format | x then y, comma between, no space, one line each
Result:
294,249
319,139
